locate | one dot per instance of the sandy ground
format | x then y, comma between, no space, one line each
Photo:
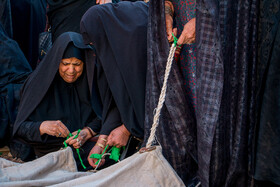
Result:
5,153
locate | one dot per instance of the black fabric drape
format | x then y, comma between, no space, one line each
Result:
65,15
39,86
28,20
226,72
267,152
40,80
6,17
226,40
14,71
118,33
177,126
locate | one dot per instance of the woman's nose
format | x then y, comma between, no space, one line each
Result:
71,69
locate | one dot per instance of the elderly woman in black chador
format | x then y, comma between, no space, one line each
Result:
57,99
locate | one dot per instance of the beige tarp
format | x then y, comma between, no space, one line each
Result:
59,169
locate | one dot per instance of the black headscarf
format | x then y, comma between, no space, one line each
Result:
119,34
46,96
65,15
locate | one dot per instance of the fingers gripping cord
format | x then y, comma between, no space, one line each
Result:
77,150
162,94
114,153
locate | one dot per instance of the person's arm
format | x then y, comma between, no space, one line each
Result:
30,131
169,13
89,131
188,34
95,126
100,2
37,131
112,118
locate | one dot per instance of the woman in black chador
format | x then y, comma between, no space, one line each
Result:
119,36
57,99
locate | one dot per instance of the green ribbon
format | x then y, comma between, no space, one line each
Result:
115,154
98,156
77,150
175,40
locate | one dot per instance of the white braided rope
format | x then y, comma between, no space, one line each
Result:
162,97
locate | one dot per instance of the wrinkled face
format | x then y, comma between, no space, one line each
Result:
70,69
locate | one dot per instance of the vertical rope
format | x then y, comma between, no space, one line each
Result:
162,95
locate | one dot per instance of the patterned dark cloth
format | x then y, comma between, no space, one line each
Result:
177,128
226,76
267,158
184,11
226,82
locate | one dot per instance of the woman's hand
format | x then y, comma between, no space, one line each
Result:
54,128
169,10
103,1
188,34
118,137
169,28
98,149
83,136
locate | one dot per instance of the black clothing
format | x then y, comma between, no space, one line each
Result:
67,102
267,152
28,21
14,69
72,51
6,17
226,42
177,124
46,96
121,57
65,15
220,137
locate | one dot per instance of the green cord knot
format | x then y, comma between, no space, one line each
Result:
115,154
175,39
77,150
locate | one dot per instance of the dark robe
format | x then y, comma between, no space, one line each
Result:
226,40
118,33
65,15
267,152
226,108
176,132
46,96
6,17
14,69
28,21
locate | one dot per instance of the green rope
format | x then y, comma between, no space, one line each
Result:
115,154
77,150
98,156
175,40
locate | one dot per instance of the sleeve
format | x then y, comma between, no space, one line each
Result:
95,125
111,118
30,132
